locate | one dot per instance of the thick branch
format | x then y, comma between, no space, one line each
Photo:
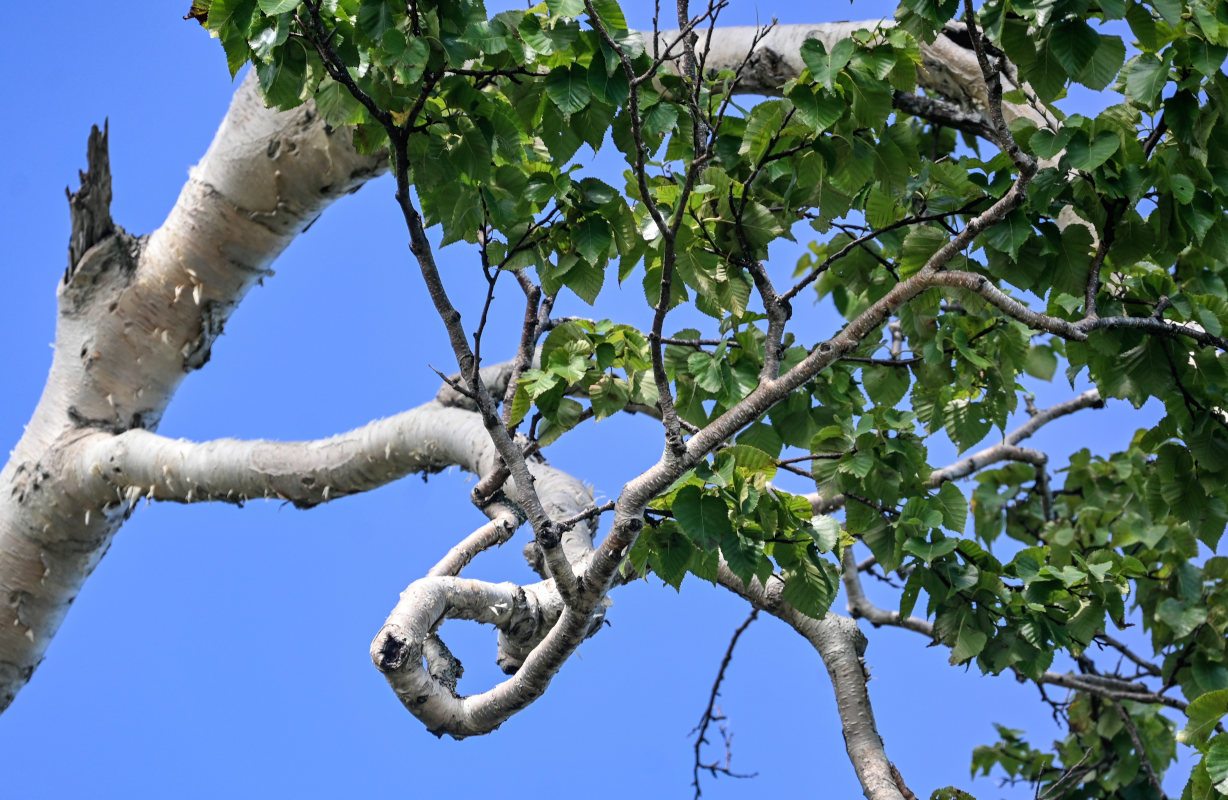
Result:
135,316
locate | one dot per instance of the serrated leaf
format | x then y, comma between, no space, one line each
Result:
825,66
671,554
1009,234
592,238
810,587
761,126
825,531
565,8
1182,618
921,242
1216,762
375,17
1073,43
703,518
1105,63
282,77
957,627
609,395
751,459
567,88
1202,714
1089,155
760,226
964,423
1144,76
886,385
819,110
954,507
745,557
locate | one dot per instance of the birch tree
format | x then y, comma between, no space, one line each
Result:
973,235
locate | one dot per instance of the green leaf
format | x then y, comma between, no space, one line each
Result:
825,531
703,518
752,459
760,227
885,385
762,125
957,627
337,105
824,66
671,554
745,557
1144,76
1181,618
274,7
585,280
921,242
1089,155
376,16
565,8
810,587
1009,234
1073,43
609,395
592,238
930,551
282,78
1041,362
1171,10
1203,713
954,507
611,15
819,110
1105,63
1216,762
567,88
964,423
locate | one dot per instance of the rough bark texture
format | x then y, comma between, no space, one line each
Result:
135,316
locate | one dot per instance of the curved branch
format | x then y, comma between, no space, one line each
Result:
135,316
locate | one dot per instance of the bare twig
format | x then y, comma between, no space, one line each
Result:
709,716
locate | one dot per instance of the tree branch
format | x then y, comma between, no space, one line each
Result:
841,646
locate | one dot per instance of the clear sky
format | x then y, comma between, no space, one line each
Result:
220,652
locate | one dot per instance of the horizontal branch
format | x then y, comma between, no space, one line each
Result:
983,286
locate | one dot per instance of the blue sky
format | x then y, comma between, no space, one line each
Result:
223,652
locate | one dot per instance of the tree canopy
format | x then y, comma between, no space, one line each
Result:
973,234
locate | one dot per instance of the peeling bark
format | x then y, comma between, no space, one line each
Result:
135,316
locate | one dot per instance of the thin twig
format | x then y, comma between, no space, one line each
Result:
709,716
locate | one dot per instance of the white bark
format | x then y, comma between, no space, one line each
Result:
841,646
137,315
